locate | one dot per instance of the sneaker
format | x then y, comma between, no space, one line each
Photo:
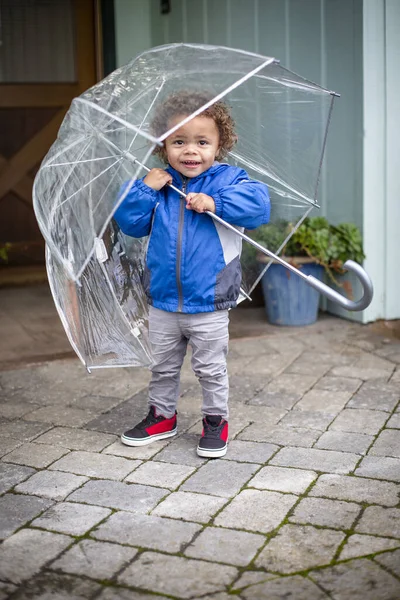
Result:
153,427
213,441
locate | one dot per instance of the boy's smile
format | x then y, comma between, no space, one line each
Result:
192,149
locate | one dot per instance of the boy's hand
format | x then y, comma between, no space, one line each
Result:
200,202
157,178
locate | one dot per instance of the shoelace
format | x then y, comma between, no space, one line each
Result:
150,419
212,430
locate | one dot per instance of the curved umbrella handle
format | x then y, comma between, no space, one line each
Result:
366,283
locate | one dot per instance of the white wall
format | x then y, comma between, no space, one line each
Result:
381,168
132,28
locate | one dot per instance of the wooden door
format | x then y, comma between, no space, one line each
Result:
48,55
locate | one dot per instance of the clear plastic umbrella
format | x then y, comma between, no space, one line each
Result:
106,140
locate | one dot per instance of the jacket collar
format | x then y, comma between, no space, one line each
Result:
178,177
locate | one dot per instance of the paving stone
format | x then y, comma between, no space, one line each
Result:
56,586
6,590
387,444
270,364
394,421
53,485
327,513
166,475
356,489
284,436
61,415
391,560
296,548
220,478
22,430
252,578
363,545
276,399
71,518
182,450
323,401
120,593
308,419
19,556
243,388
176,576
10,475
225,546
95,403
76,439
357,580
138,452
122,417
189,507
35,455
379,468
338,384
365,373
380,521
8,444
254,452
281,479
268,415
292,384
288,588
376,396
95,465
99,560
15,410
312,458
344,441
256,510
147,531
123,496
304,365
16,510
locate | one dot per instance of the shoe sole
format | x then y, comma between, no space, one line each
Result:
144,441
211,453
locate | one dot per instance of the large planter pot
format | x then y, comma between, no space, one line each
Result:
289,300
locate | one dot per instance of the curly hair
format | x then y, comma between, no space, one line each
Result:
185,103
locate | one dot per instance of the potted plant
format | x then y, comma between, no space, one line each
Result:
316,247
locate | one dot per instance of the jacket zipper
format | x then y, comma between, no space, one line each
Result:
179,246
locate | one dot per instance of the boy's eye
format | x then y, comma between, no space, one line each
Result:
203,143
178,142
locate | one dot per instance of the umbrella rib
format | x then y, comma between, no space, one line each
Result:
122,121
273,177
216,98
147,113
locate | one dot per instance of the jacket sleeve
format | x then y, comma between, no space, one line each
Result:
135,213
244,202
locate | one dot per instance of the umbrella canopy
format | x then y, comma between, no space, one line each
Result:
106,140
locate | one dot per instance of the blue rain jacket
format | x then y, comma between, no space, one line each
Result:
193,262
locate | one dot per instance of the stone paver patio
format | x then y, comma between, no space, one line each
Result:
305,505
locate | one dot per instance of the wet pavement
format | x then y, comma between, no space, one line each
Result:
305,505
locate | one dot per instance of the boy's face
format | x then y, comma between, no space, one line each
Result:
192,149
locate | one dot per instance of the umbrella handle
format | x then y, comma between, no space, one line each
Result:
331,294
320,286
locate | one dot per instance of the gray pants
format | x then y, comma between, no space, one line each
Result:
207,334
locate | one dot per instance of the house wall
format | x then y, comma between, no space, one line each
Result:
132,29
381,162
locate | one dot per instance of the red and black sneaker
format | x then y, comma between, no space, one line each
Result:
214,439
153,427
